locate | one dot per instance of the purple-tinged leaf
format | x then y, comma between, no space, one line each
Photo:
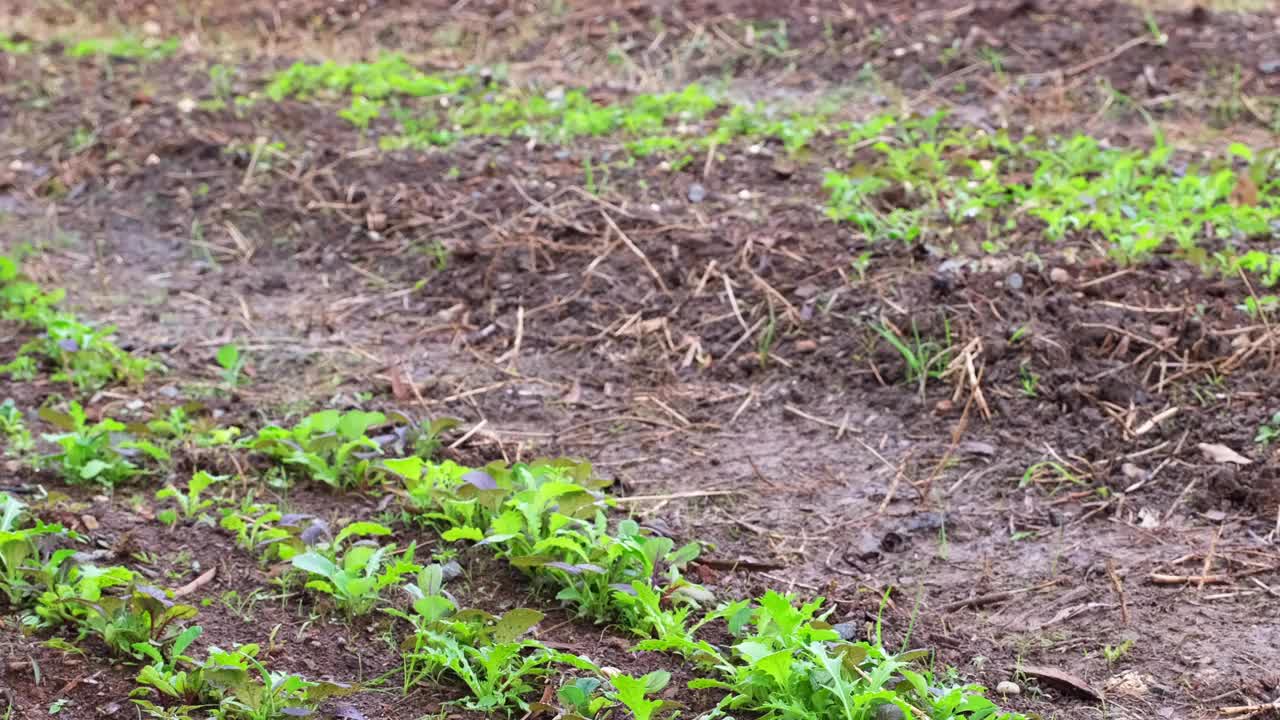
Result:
480,479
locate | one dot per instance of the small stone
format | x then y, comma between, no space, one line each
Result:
846,630
889,711
944,406
806,345
451,571
186,105
697,193
90,522
1059,276
1269,67
1014,281
1007,687
744,194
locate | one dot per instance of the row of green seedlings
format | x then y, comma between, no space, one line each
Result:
83,356
43,578
438,110
912,178
487,655
548,519
917,179
124,47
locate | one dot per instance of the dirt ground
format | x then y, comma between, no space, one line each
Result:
618,327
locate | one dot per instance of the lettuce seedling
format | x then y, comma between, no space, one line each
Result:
98,452
166,675
190,505
14,428
250,691
20,539
355,576
327,444
632,692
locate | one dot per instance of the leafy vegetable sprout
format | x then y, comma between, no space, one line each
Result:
1268,432
189,505
95,453
232,364
356,575
18,440
331,446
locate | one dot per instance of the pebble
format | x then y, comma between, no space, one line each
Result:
697,193
889,711
846,630
1059,276
1007,687
806,346
744,194
1269,67
451,571
1014,281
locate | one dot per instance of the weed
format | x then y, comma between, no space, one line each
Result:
1049,471
1114,654
1269,431
924,359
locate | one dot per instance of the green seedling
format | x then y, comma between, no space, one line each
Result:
924,359
355,576
18,440
126,48
22,572
420,437
263,530
1029,380
330,445
143,615
1269,431
96,453
229,684
1114,654
632,692
232,363
166,675
579,699
1049,471
791,663
190,505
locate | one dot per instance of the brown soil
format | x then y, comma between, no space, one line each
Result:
545,327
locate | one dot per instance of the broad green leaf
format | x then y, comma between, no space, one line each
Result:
515,623
462,533
315,564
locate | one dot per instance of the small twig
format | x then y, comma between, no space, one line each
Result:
196,584
1119,588
467,436
676,496
980,600
1208,558
636,251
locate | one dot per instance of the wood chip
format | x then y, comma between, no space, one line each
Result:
1059,679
